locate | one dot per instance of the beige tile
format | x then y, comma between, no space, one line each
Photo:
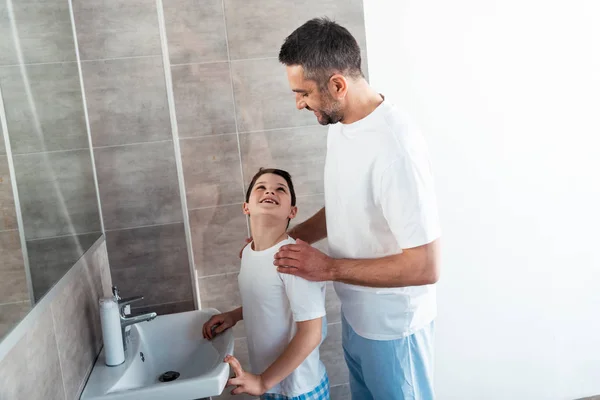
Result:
8,214
332,305
31,370
263,97
340,392
2,146
152,262
11,314
332,355
300,151
259,28
44,31
365,65
138,185
241,353
78,330
307,206
13,280
222,293
195,30
99,271
322,245
228,396
211,168
239,331
116,28
203,99
127,101
218,235
57,119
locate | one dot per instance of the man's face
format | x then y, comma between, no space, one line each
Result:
308,96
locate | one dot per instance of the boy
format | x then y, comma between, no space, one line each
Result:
283,314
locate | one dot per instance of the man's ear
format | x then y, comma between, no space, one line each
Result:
338,86
245,209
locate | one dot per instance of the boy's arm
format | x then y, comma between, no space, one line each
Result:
221,322
238,314
312,230
307,338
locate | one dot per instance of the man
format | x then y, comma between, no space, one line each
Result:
380,218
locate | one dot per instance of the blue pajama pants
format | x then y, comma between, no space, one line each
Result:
400,369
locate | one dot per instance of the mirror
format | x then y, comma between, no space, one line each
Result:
49,213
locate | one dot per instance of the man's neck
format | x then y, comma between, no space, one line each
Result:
266,233
361,101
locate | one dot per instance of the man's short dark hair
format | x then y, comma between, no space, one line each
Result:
322,47
284,174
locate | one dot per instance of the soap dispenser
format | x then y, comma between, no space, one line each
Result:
114,353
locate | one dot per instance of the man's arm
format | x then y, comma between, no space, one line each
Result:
312,230
413,267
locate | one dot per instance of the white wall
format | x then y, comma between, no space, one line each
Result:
507,93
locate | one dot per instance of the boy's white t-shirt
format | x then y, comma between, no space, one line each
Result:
272,304
380,199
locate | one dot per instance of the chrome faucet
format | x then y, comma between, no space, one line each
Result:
126,319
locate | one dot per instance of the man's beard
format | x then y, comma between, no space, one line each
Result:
330,114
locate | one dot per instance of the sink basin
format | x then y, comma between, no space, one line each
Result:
167,343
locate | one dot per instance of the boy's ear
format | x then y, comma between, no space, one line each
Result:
293,212
245,209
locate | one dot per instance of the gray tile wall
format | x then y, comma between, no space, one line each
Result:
53,359
126,96
48,134
57,122
42,39
51,258
235,113
14,294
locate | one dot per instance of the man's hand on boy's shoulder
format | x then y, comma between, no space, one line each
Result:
303,260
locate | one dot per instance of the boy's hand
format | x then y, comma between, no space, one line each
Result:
218,324
248,240
246,382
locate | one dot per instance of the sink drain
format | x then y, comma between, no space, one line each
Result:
169,376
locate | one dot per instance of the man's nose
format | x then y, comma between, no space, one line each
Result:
300,104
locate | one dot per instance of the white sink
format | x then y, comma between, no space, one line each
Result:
167,343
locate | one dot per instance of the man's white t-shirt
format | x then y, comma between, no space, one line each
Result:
272,304
380,199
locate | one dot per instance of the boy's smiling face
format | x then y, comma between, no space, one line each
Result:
271,196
